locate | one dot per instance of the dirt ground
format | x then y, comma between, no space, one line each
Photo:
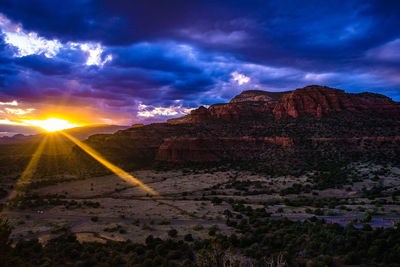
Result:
187,203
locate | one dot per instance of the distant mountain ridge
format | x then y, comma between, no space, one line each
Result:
80,133
314,100
293,128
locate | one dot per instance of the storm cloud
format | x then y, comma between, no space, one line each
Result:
145,61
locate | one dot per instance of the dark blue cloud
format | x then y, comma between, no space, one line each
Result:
163,51
155,56
44,65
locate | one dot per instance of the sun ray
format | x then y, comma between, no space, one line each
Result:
53,153
123,174
27,175
118,171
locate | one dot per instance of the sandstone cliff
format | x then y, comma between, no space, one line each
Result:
311,100
304,126
317,101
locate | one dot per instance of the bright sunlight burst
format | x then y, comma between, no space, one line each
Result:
52,124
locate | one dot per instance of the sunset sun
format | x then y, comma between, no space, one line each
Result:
52,124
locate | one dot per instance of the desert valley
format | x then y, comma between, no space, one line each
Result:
242,182
201,133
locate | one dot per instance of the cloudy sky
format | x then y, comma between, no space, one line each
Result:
124,62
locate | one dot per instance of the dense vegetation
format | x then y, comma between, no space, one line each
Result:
311,243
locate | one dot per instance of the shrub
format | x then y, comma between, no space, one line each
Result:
172,233
188,238
198,227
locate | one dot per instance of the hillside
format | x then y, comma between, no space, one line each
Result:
292,128
81,133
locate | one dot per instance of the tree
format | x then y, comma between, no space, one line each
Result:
5,243
213,255
172,233
188,238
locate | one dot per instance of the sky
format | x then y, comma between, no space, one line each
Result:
143,61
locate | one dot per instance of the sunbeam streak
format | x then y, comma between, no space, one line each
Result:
30,169
118,171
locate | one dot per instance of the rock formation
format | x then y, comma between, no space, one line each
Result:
311,100
305,125
317,101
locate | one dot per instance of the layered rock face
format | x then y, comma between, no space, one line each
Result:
196,116
206,149
311,100
317,101
256,96
307,125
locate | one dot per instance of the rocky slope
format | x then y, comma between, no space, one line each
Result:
293,128
318,101
311,100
